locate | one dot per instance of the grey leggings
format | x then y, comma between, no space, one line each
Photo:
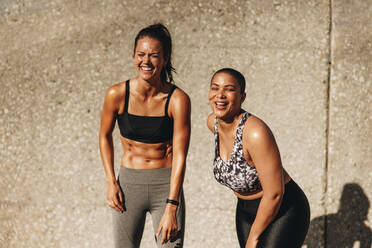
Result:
145,191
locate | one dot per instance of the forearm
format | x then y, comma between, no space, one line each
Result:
267,210
180,149
106,146
177,176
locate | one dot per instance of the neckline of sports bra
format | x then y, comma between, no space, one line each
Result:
126,107
147,116
229,160
235,143
143,116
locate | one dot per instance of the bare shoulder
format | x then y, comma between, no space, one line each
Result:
113,98
210,122
179,105
179,101
256,131
180,97
116,90
115,94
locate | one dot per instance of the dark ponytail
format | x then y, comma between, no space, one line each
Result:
161,34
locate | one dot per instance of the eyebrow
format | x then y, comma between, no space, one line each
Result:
140,51
229,85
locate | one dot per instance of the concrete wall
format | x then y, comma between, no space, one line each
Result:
308,68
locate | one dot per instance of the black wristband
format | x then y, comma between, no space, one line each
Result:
172,202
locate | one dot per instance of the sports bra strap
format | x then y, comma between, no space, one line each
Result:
126,96
168,99
127,93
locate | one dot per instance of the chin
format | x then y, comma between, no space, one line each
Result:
219,113
224,114
147,77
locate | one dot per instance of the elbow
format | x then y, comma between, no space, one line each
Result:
103,134
275,196
278,196
104,138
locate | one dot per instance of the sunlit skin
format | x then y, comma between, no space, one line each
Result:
259,147
148,95
149,60
225,97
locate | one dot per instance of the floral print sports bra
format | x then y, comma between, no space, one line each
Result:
235,173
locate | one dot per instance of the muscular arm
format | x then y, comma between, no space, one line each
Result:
261,145
180,110
107,147
105,134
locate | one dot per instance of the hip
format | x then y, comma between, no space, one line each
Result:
294,198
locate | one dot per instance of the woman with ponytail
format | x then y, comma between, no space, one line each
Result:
153,116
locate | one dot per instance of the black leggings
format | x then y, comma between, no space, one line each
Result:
287,230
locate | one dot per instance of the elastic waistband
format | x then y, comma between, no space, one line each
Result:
153,176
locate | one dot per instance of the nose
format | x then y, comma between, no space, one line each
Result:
146,59
221,94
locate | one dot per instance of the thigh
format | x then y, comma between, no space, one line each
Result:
158,195
243,221
128,226
289,228
285,232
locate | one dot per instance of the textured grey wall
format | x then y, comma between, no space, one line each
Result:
308,67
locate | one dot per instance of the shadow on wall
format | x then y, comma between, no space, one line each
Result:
345,228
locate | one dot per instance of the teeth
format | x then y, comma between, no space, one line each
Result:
146,68
221,104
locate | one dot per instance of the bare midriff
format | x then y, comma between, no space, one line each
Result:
144,156
259,194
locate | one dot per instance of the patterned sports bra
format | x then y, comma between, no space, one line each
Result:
235,173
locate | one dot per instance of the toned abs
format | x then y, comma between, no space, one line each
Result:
142,156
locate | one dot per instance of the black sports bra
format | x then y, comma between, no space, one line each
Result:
146,129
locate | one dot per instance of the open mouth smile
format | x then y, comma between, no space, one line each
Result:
221,105
146,68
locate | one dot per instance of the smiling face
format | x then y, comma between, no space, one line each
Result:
149,59
224,96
